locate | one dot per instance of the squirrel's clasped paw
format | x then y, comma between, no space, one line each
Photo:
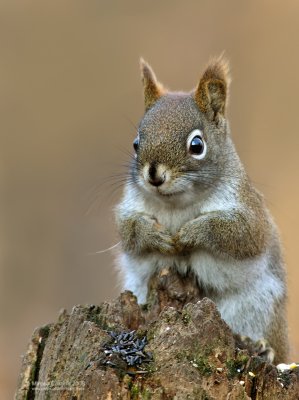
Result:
185,239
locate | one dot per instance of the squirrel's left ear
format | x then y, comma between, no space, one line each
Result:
153,90
212,91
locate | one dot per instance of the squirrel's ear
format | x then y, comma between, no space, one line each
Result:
212,91
153,90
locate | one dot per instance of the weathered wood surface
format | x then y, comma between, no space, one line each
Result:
194,353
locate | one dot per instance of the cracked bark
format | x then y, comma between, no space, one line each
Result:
195,354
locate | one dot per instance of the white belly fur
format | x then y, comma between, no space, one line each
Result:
246,290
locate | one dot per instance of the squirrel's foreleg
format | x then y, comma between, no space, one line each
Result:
223,233
142,234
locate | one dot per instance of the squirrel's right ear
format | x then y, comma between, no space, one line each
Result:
212,91
153,90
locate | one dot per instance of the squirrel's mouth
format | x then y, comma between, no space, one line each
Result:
169,194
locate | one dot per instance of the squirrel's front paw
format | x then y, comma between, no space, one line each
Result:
187,237
143,234
160,240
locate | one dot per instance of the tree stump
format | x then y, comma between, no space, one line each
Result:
191,353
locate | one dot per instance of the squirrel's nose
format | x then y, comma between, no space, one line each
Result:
154,178
156,182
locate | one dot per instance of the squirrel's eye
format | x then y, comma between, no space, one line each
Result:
136,144
196,145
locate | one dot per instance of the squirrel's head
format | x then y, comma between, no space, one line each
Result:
181,142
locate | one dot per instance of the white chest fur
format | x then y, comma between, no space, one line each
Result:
174,216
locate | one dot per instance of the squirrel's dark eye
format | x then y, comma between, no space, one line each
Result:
196,145
136,144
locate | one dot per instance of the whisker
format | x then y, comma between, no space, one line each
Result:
106,250
131,122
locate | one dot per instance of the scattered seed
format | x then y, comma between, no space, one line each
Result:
128,347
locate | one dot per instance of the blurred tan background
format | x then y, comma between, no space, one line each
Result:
70,95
